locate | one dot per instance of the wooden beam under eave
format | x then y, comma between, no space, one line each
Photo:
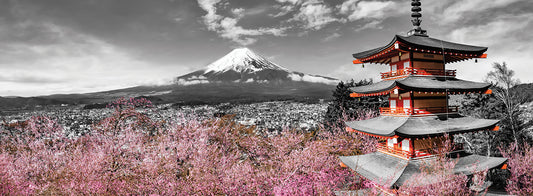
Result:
453,59
357,61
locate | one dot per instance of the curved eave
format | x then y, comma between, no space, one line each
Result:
377,167
469,164
368,53
453,52
441,84
389,171
466,164
384,126
420,127
439,45
420,83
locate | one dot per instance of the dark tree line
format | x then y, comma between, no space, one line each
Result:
343,107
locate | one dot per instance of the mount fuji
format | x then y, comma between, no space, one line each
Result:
238,77
242,65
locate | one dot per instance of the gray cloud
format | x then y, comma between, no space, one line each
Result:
315,15
331,37
227,27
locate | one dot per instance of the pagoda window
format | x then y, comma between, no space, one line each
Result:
394,67
405,145
406,64
393,104
391,142
407,105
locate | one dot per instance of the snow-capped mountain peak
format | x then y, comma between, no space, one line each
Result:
242,60
242,65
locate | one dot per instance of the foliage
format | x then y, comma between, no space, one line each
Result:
503,104
520,163
437,176
484,107
344,107
502,79
131,153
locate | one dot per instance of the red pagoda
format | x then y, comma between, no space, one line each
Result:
419,116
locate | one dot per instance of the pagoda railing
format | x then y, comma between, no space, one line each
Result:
418,111
395,111
417,71
382,147
416,154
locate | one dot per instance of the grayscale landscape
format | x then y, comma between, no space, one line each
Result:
283,97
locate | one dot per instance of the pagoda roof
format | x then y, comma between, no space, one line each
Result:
389,171
426,43
423,83
420,126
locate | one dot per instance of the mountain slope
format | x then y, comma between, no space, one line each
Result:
242,65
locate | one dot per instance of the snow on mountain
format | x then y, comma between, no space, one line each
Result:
242,60
242,65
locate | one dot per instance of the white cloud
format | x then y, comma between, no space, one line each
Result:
294,2
357,10
211,18
370,13
283,10
230,29
238,12
191,82
315,15
348,6
458,9
357,72
311,78
227,27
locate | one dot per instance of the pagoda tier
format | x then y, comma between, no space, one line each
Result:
391,171
423,45
431,84
420,127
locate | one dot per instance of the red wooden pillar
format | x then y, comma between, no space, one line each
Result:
412,147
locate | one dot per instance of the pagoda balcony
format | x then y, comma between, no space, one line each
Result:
417,153
398,111
422,72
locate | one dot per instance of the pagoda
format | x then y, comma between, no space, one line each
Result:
419,118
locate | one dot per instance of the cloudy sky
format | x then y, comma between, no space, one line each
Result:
75,46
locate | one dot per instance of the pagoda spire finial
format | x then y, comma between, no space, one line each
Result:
416,15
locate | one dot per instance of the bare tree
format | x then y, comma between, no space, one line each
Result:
502,79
